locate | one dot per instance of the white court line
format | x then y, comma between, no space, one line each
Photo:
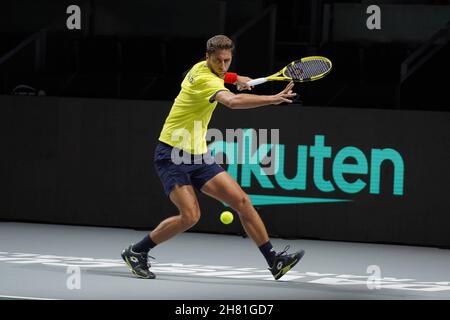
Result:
25,298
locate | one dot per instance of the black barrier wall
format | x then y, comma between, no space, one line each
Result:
343,174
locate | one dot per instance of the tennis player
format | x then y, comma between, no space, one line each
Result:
201,90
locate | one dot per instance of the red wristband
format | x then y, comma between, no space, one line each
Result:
230,77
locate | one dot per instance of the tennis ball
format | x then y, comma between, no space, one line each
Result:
226,217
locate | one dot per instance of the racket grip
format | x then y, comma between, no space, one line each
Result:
255,82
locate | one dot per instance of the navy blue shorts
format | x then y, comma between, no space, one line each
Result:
193,173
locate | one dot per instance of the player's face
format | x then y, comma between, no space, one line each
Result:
219,61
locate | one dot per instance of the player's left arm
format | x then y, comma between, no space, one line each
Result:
249,101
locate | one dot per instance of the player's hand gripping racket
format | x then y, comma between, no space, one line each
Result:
306,69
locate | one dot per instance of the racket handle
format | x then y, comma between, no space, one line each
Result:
255,82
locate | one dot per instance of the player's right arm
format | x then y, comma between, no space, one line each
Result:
249,101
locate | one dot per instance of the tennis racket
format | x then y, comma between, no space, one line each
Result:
307,69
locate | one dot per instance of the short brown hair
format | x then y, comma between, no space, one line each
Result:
219,42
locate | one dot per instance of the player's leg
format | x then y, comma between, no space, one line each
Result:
186,201
224,188
184,198
177,186
136,256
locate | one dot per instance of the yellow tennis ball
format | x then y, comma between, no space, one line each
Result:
226,217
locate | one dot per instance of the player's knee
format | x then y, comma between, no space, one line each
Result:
242,202
190,216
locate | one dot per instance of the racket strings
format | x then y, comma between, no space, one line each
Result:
307,69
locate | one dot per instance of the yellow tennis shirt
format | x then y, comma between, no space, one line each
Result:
186,125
